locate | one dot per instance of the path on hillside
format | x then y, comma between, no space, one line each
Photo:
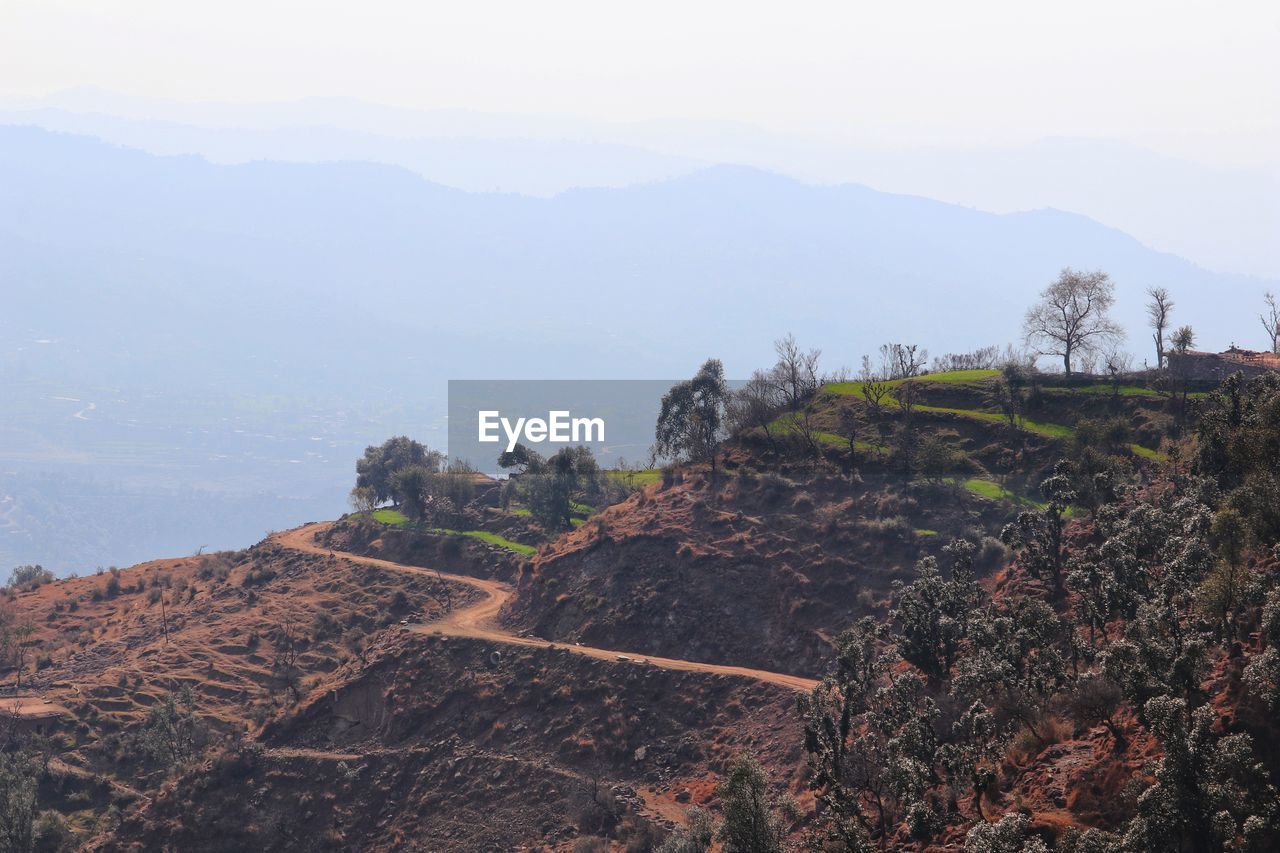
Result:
479,620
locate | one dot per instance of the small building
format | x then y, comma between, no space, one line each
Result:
1216,366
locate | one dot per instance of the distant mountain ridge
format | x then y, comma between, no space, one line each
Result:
381,241
248,328
1223,217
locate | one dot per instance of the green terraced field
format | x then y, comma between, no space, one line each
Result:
397,519
639,477
488,538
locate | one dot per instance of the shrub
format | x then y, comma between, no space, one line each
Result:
51,832
1011,834
29,577
325,626
1095,700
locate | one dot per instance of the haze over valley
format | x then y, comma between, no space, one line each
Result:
168,339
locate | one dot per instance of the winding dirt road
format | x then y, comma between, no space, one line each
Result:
479,621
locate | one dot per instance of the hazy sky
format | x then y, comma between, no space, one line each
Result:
1199,79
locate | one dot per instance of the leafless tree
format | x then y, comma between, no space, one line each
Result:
806,432
1070,320
867,373
850,427
11,722
1096,699
796,372
875,392
22,633
755,406
1270,320
1158,310
902,361
908,396
1118,364
287,645
1008,398
983,358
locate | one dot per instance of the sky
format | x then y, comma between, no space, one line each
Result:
1194,79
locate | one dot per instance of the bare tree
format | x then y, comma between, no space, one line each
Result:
1270,320
1008,398
1158,310
1071,319
850,425
902,361
1096,699
875,393
1118,364
755,406
22,633
983,358
867,373
285,665
908,395
796,372
806,432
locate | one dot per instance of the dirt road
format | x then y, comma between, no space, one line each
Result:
479,620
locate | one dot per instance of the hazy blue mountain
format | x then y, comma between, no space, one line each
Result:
1225,219
246,329
1222,218
527,165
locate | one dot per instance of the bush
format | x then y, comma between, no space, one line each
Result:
992,554
895,528
1095,700
325,626
29,577
51,833
1012,834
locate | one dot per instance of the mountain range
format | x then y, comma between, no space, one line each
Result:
202,305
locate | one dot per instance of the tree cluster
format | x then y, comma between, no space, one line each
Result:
550,487
415,478
908,731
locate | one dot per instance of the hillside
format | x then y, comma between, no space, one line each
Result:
110,253
375,684
760,565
